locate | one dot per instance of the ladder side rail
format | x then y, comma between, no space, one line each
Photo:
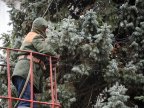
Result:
8,78
31,79
51,82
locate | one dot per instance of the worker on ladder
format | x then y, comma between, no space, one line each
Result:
34,41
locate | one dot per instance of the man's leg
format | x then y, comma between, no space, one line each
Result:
19,83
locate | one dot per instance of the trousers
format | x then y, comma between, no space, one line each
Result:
19,83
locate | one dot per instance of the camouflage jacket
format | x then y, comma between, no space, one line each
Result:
34,41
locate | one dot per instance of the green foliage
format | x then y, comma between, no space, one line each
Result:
117,98
88,63
66,95
140,98
6,40
79,47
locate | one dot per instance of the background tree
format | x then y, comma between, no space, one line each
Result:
100,43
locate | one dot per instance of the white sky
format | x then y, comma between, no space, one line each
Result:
4,19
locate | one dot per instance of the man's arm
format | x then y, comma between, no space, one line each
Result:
42,46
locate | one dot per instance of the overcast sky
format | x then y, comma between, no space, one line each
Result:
4,20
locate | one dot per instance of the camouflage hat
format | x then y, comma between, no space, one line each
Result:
39,25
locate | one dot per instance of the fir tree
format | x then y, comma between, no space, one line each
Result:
92,58
116,99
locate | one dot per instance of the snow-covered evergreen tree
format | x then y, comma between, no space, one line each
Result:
97,43
117,98
130,53
70,39
102,46
87,64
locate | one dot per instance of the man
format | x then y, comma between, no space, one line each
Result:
34,41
